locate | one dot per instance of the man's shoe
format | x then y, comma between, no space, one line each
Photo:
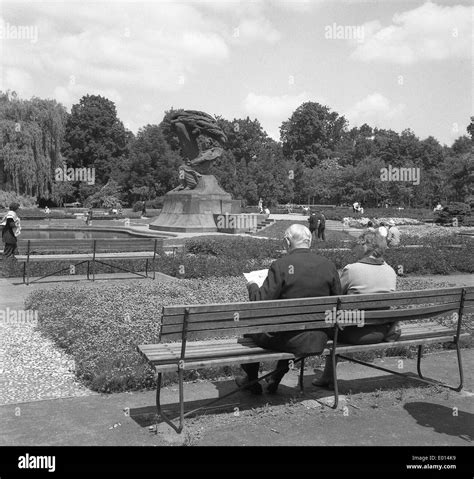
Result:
272,387
323,383
254,388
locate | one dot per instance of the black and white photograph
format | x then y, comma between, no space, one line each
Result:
243,225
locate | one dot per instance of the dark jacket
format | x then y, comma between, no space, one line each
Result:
299,274
8,236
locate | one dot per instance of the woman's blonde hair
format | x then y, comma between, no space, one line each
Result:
375,243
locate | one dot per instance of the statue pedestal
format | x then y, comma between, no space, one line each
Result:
192,211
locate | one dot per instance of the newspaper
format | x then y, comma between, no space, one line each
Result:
257,276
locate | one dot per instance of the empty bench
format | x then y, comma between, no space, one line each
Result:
184,332
90,251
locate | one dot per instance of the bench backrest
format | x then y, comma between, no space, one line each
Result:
234,319
87,245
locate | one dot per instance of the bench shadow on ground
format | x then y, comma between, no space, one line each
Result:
146,416
443,419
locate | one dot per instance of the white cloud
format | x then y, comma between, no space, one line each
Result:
110,47
256,29
299,6
273,110
375,109
429,32
273,106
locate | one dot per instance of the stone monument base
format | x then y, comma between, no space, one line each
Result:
192,211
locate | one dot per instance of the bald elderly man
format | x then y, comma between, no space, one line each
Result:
299,274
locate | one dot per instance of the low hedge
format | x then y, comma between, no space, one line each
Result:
100,325
209,259
238,247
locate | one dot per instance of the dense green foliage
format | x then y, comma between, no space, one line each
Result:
320,158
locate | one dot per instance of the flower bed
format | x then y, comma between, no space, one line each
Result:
362,221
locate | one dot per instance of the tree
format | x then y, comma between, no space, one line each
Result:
62,192
245,137
470,128
31,136
95,137
106,197
152,163
270,172
312,133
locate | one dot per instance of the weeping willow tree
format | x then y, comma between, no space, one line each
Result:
31,136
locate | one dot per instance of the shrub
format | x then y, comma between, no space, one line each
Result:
8,197
451,211
234,247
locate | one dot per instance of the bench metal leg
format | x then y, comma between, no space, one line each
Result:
181,399
334,379
461,373
159,409
418,361
301,377
431,382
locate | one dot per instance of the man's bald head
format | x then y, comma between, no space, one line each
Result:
299,236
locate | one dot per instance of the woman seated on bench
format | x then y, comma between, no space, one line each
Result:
371,274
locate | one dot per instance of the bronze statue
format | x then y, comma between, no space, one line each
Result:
200,138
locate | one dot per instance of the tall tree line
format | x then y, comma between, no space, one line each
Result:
319,158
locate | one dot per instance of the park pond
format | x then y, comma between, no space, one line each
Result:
81,233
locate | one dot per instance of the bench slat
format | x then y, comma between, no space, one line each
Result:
312,320
253,305
282,311
395,344
268,356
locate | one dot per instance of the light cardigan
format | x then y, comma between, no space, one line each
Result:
369,275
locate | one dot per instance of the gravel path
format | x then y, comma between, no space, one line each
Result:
31,366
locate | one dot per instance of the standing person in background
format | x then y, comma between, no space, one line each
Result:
321,226
393,234
12,213
9,246
260,206
9,239
89,217
313,226
317,225
144,209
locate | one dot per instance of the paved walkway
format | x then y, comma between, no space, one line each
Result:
377,409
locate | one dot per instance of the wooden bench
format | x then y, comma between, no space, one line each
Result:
90,251
185,330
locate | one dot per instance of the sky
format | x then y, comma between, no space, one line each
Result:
391,64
